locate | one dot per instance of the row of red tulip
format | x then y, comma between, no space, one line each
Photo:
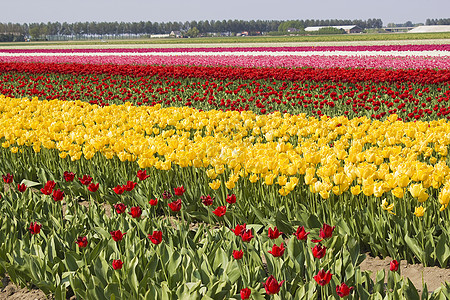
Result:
421,76
377,100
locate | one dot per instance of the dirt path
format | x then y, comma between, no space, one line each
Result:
432,276
12,292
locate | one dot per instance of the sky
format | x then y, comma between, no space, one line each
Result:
395,11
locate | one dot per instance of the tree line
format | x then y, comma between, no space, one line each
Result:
203,27
438,21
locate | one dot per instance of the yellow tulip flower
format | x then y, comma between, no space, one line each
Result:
282,180
253,178
385,206
398,192
230,184
355,190
419,211
211,174
215,184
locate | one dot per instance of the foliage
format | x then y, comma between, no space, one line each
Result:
73,252
330,30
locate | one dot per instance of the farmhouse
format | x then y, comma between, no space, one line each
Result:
346,28
291,29
176,34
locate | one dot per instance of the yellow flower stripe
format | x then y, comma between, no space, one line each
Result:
330,155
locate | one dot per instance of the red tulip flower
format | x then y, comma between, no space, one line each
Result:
175,205
247,235
274,233
34,228
85,180
153,202
326,231
166,195
58,195
120,207
69,176
82,242
323,278
319,251
245,293
118,190
343,290
117,235
93,187
220,211
48,187
117,264
301,234
21,187
231,199
272,286
8,178
135,212
238,254
142,174
277,251
129,186
239,229
393,266
179,191
156,237
207,200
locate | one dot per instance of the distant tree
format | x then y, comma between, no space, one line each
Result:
330,30
193,32
408,24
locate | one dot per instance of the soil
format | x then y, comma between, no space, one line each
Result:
417,273
432,276
13,292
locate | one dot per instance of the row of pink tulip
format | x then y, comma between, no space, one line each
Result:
434,47
318,61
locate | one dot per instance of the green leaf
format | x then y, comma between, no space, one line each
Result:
60,293
414,246
283,223
78,287
174,263
234,274
152,292
425,294
105,234
101,269
30,183
112,290
95,252
443,250
259,214
165,291
132,278
313,222
151,266
51,252
71,261
410,291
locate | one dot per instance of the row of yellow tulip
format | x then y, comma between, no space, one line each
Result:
330,155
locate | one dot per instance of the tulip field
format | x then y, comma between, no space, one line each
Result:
224,172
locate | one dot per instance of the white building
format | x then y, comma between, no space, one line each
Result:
346,28
431,28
